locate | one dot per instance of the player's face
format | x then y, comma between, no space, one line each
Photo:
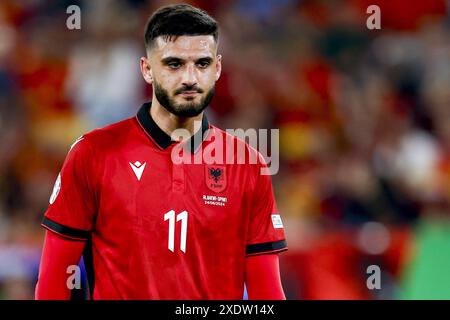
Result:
183,73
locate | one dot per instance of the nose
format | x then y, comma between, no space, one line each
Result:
189,76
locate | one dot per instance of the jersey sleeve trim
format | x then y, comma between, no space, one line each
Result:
266,247
68,232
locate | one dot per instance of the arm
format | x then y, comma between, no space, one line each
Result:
68,219
58,253
262,277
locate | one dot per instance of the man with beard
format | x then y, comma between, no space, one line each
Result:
150,228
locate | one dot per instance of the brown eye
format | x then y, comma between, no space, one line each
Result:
203,64
174,65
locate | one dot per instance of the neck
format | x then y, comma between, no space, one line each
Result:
169,122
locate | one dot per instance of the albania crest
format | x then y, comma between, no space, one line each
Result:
216,178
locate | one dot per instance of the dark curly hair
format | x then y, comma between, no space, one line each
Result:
179,20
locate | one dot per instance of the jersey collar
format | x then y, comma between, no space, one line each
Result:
162,139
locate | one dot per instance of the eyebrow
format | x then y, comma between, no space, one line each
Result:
205,59
167,60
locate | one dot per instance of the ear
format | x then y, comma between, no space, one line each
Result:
218,66
146,70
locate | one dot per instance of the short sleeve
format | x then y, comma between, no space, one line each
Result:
266,230
72,207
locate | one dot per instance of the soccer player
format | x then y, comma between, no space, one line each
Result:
150,227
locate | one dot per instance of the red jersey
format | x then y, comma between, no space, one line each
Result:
155,229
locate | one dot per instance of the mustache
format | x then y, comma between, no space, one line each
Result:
188,88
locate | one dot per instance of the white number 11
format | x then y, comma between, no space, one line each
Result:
183,216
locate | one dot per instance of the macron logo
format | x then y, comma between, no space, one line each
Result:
138,169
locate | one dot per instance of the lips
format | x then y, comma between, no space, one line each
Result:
188,90
188,93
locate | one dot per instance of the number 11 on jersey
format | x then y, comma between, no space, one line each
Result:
183,216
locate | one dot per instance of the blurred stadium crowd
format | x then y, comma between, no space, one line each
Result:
364,119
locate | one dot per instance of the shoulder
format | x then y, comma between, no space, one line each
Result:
109,133
104,138
234,141
240,153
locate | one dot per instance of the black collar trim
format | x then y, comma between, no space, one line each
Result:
162,139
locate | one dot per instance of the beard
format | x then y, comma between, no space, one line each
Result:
183,110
